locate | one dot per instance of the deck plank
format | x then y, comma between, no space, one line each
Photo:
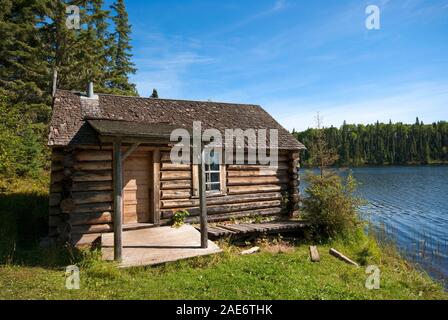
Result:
234,230
219,232
157,245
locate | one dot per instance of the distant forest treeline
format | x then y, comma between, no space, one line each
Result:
381,144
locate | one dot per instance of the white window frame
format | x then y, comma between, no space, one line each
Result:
222,181
208,177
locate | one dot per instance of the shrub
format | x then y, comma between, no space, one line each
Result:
331,207
179,218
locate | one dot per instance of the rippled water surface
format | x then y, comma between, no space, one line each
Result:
410,205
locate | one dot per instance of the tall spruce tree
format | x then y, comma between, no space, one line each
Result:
155,94
36,40
93,52
23,69
24,88
122,65
66,49
97,40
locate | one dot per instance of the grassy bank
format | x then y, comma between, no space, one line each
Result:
281,270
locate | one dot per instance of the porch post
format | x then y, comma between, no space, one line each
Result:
118,190
156,187
203,202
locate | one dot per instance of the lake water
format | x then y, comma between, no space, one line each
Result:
410,206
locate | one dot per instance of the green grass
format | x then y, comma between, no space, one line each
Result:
266,275
281,270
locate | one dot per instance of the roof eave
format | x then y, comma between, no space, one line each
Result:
134,139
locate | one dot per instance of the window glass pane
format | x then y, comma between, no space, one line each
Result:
214,177
206,158
214,167
215,187
212,173
212,157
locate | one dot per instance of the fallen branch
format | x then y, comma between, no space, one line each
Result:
340,256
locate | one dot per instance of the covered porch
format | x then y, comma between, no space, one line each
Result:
153,246
130,244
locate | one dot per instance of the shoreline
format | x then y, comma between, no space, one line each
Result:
415,222
441,164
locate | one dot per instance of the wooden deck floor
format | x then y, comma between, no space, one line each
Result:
157,245
245,229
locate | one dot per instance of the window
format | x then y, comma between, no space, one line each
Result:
215,178
213,173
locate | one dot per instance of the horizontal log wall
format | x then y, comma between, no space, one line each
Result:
251,190
175,180
81,199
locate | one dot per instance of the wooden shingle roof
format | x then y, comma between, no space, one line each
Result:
69,123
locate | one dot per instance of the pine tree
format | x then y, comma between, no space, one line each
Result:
23,69
345,147
66,48
122,66
24,88
35,42
155,94
98,44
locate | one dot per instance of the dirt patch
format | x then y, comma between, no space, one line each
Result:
278,248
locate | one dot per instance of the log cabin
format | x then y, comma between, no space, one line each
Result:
111,169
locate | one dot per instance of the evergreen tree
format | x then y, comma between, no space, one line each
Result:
24,88
122,65
23,69
35,42
155,94
345,149
66,48
98,43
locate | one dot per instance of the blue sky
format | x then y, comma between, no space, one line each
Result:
297,58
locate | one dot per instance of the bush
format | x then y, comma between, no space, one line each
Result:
179,218
331,207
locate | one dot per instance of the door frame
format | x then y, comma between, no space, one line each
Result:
154,192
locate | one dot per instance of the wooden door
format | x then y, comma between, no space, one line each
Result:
137,179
